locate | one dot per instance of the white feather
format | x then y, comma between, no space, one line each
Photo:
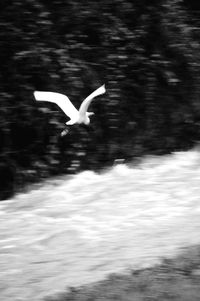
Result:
61,100
85,104
68,108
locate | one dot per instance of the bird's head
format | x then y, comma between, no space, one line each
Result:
87,118
90,114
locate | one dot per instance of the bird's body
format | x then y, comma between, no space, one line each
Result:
76,116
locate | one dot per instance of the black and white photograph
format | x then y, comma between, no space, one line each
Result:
99,150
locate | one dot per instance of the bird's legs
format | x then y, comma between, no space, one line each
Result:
65,132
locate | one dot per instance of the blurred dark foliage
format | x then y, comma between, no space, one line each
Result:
147,54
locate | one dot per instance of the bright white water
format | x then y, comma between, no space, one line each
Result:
73,232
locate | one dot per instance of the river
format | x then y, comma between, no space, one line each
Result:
71,232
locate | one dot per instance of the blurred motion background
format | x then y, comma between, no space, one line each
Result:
146,53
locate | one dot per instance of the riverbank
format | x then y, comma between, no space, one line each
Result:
175,279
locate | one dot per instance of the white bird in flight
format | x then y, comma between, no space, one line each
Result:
76,116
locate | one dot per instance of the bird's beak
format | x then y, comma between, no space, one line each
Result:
90,113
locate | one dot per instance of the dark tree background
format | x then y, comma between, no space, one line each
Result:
146,53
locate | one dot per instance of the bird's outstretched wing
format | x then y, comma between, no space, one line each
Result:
85,104
61,100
